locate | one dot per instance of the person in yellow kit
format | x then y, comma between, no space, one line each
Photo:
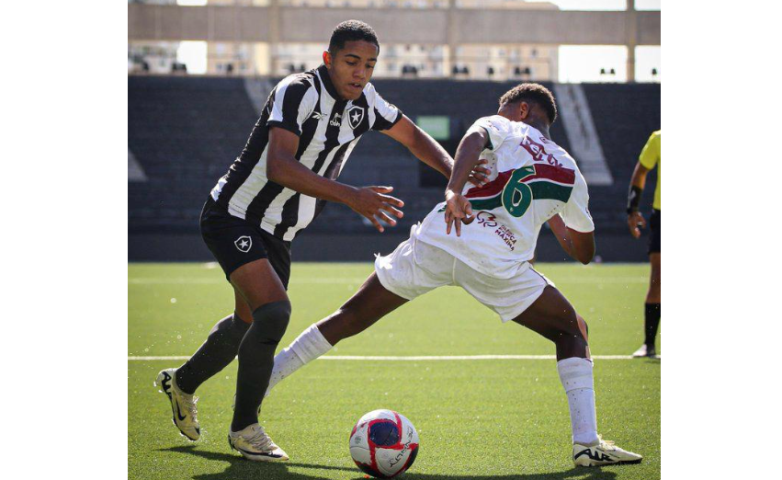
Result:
650,157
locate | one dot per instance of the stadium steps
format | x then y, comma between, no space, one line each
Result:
185,132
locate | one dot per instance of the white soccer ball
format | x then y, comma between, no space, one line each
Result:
383,443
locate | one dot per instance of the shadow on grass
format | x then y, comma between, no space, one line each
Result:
241,469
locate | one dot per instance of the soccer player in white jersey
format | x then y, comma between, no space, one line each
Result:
481,239
274,189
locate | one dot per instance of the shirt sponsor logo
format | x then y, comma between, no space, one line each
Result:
489,220
486,219
507,236
337,120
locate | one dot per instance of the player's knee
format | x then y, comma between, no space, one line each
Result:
273,318
583,327
569,327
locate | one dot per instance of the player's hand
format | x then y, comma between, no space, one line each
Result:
458,210
373,204
635,221
480,174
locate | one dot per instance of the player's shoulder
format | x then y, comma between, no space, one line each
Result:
495,122
297,81
299,89
370,93
655,136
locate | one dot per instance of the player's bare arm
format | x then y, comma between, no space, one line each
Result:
426,149
283,168
636,221
458,208
580,246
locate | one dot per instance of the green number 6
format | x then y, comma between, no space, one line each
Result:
517,196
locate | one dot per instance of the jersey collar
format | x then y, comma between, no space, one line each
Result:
324,77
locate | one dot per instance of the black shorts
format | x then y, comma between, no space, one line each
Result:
235,242
654,232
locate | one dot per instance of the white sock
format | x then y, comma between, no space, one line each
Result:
576,376
308,346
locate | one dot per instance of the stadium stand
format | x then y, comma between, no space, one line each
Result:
625,115
185,131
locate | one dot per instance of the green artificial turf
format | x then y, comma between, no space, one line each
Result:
503,419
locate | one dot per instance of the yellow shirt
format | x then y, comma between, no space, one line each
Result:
650,156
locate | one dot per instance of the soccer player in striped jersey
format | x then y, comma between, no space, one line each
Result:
279,183
481,239
648,160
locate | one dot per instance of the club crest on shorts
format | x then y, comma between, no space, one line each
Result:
355,116
244,243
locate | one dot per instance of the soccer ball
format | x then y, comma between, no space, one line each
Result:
383,443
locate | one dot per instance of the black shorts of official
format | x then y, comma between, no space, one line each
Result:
654,232
235,242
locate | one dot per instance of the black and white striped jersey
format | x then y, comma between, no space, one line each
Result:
328,127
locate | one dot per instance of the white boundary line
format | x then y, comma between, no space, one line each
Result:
418,358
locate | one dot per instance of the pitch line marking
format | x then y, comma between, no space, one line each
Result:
413,358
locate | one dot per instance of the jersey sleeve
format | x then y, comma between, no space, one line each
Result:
294,101
576,212
650,154
386,115
498,129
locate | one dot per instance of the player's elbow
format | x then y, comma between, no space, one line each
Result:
583,246
585,253
586,260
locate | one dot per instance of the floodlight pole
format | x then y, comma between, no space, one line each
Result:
631,27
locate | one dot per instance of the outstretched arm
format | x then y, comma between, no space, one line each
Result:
637,184
580,246
458,208
420,144
283,168
426,149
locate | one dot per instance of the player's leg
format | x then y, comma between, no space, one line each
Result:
264,292
652,305
220,231
553,317
219,349
397,279
530,299
653,298
371,303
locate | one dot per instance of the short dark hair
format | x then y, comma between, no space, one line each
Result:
532,92
349,31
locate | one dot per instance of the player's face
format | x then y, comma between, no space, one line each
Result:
351,68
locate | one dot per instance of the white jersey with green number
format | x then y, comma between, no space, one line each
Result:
532,179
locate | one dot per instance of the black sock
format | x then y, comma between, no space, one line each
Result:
652,322
219,349
256,360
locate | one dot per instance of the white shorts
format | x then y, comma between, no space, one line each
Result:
416,268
